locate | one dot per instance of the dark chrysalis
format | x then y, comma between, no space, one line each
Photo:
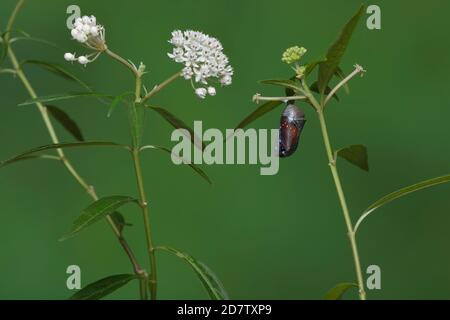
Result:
291,126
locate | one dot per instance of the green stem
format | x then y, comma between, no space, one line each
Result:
146,215
337,181
123,61
139,177
68,165
340,192
12,19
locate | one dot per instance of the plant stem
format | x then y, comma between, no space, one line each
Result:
123,61
337,181
68,165
358,69
11,20
137,164
340,192
146,215
257,98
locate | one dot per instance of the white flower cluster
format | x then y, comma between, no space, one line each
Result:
89,33
203,59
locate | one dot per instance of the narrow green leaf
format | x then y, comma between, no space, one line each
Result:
179,124
57,70
103,287
291,84
259,112
65,96
336,51
31,152
315,88
67,122
119,220
355,154
95,212
338,291
400,193
209,280
193,166
313,64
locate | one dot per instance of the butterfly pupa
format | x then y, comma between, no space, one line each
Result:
291,125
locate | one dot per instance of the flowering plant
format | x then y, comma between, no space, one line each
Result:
203,61
318,95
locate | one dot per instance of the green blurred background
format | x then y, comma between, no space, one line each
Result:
267,237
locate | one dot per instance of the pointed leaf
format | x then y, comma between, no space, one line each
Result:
67,122
103,287
259,112
336,51
355,154
65,96
179,124
193,166
209,280
400,193
31,152
95,212
56,69
291,84
338,291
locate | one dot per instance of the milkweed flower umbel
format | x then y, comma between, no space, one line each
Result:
90,34
203,59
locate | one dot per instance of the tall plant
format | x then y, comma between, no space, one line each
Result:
318,94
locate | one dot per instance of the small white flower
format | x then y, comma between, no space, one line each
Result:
202,57
87,31
187,73
86,20
226,80
75,32
212,91
69,57
201,92
94,31
90,34
83,60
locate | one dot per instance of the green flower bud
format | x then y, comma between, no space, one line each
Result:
300,71
293,54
